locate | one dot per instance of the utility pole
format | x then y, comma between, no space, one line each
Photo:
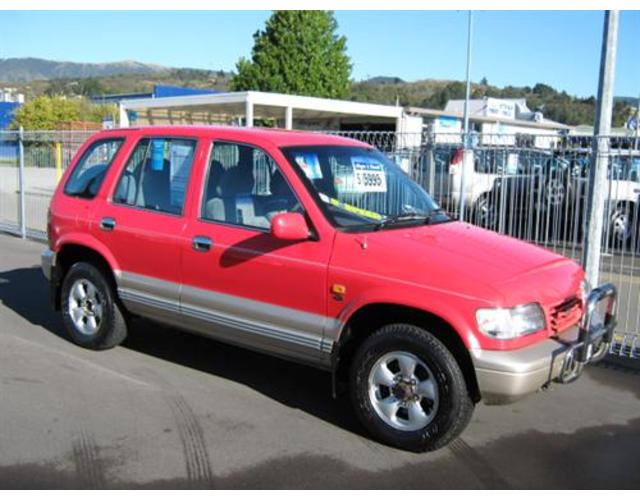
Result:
466,142
599,161
637,122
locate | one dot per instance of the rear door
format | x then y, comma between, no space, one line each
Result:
241,284
142,222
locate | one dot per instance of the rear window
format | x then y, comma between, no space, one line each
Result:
88,174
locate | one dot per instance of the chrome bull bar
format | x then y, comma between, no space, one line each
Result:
594,339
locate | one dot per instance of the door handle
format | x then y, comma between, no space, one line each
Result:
107,224
201,243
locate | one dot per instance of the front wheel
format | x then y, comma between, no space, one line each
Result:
408,390
90,310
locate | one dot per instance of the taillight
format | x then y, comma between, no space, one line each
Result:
457,156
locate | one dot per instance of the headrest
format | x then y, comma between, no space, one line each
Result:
278,185
236,180
216,171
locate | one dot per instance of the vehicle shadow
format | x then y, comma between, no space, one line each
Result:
25,291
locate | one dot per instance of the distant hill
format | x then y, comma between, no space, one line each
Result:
385,80
26,69
556,105
34,77
630,101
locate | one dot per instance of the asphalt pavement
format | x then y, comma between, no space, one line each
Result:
174,410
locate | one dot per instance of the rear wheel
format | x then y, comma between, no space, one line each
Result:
408,390
621,226
90,309
555,194
484,212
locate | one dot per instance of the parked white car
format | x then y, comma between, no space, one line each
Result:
481,168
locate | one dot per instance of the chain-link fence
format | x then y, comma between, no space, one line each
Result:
31,164
531,188
9,182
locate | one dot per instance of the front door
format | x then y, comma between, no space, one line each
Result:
241,284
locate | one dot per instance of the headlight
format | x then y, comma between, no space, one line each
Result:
510,323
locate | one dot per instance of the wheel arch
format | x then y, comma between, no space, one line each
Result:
71,251
373,316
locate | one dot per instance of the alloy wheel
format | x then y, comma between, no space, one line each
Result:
85,307
403,391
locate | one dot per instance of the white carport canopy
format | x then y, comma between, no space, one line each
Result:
264,105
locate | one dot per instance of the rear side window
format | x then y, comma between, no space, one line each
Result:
156,175
87,176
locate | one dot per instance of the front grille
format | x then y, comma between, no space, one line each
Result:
565,314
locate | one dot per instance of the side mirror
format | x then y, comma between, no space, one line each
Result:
290,226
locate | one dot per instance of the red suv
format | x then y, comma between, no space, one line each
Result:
321,250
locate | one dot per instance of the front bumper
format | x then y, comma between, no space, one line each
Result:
506,376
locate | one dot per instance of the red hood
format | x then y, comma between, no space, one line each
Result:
466,259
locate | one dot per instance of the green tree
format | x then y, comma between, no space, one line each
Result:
90,87
57,87
543,90
298,52
51,113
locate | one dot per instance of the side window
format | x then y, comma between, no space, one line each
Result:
245,187
87,176
156,175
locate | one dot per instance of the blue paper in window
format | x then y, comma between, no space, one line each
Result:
157,155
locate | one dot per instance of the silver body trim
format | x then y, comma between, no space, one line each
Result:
257,325
506,376
48,262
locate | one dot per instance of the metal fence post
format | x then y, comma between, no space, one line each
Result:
21,184
466,142
58,147
598,172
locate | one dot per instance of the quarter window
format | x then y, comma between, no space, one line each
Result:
87,176
245,187
156,175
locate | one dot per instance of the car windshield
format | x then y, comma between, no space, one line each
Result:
360,187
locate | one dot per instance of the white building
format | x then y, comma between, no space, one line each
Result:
286,111
497,121
10,95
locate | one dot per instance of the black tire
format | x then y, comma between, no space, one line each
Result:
111,329
455,406
556,193
621,226
484,212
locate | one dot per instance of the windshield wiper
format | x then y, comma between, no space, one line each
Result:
400,218
431,218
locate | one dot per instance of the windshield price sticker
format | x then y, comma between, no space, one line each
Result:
369,175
